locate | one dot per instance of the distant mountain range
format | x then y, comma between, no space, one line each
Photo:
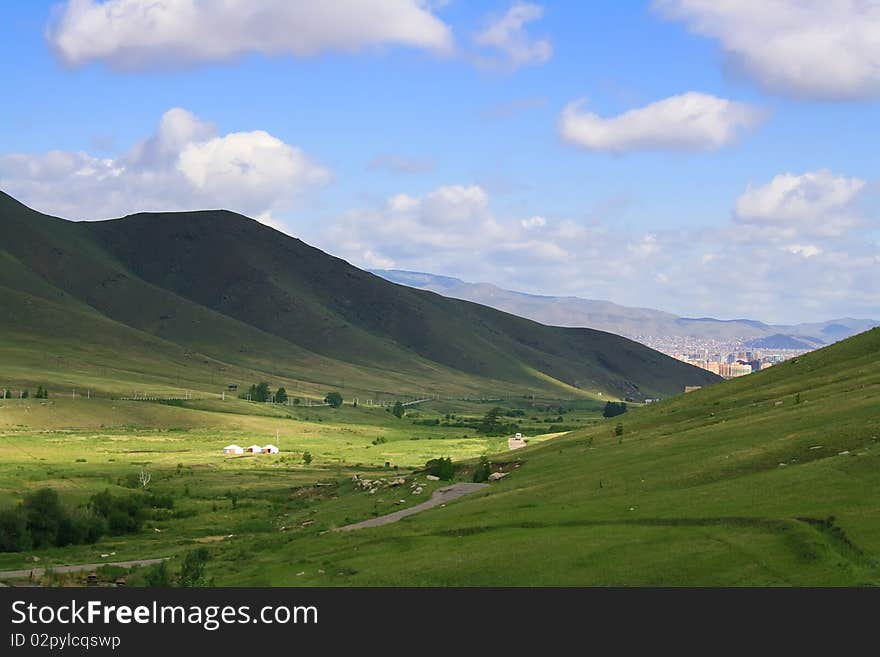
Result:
636,323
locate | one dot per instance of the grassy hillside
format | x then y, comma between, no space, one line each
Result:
216,295
764,480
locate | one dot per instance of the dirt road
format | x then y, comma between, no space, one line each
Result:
440,496
19,574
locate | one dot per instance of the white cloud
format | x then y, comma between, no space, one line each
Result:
724,271
805,250
183,166
690,121
138,34
533,222
508,35
816,202
447,227
814,48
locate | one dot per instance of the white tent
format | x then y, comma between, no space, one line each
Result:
233,449
270,449
254,449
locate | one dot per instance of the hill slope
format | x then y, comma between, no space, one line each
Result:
764,480
220,294
623,320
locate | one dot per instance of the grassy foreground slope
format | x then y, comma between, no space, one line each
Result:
219,294
770,479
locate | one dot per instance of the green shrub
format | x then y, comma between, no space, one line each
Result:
14,534
192,571
613,409
441,468
483,470
157,576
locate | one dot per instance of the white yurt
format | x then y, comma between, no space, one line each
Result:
270,449
233,449
254,449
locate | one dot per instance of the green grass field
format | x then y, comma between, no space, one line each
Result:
764,480
80,447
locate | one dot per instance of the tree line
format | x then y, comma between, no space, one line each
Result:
42,520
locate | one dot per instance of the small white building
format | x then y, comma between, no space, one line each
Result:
270,449
233,449
254,449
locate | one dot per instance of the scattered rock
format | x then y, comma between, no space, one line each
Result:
816,447
843,453
495,476
432,478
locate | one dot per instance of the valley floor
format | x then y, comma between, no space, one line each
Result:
770,479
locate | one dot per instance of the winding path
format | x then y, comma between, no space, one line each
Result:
440,496
19,574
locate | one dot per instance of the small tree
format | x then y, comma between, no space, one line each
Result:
192,571
158,576
398,409
307,458
491,424
261,392
334,399
613,409
144,478
281,396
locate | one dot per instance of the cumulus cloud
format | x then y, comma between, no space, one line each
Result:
691,121
454,230
533,222
138,34
813,203
508,35
447,228
824,49
184,165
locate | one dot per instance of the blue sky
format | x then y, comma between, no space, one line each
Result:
430,136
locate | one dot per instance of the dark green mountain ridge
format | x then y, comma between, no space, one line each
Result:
220,295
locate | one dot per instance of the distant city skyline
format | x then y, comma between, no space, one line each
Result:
707,159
